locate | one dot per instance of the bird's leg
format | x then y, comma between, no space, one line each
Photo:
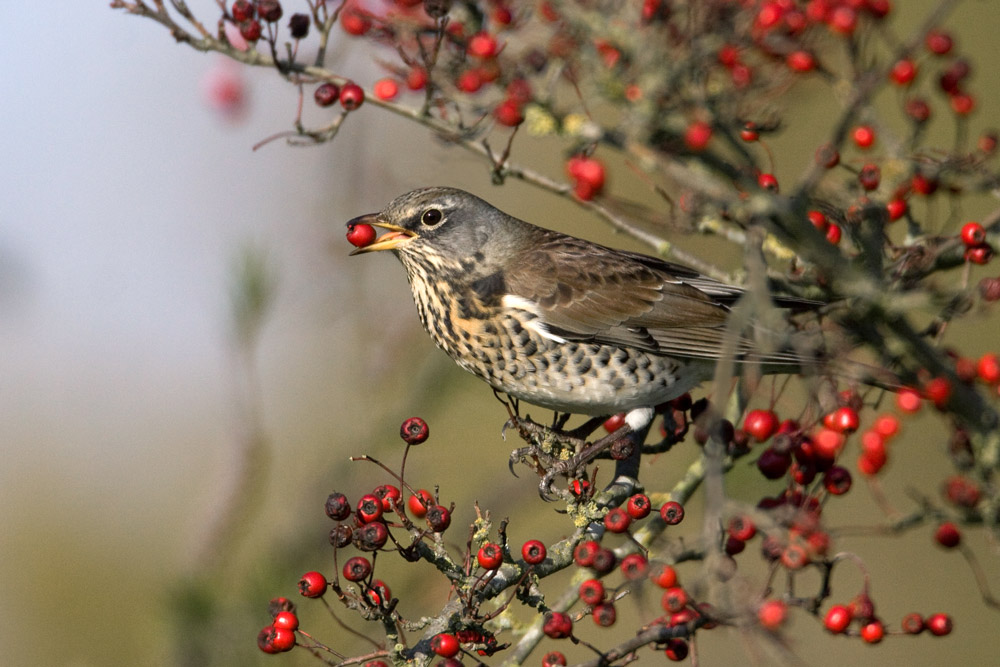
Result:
637,424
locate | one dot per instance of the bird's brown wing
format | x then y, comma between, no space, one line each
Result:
583,291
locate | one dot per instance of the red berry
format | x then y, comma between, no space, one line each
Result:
588,174
749,132
638,506
676,650
482,45
864,136
672,513
386,89
369,508
357,568
420,502
617,520
948,535
553,659
378,593
351,96
251,30
838,617
326,94
355,22
886,425
773,464
837,480
980,254
275,640
508,113
439,518
533,552
416,78
557,625
312,585
938,391
604,560
962,103
843,19
938,42
827,156
414,431
269,10
469,81
908,400
445,645
772,614
768,182
800,61
286,620
361,235
580,488
873,632
896,208
591,591
939,624
917,109
973,234
988,368
663,575
490,556
697,135
870,176
742,528
242,10
390,496
842,420
634,566
674,599
605,614
903,72
762,424
818,220
584,553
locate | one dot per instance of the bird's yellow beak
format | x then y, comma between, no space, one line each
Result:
395,237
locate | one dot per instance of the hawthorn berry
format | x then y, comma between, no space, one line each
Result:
938,42
870,176
973,234
908,400
269,10
634,566
837,480
357,568
298,25
896,208
312,585
286,620
771,614
325,95
672,513
390,496
553,659
886,425
903,72
948,535
604,614
591,591
938,391
873,631
827,156
663,575
842,420
338,507
352,96
864,136
837,618
583,554
638,506
604,560
354,21
378,593
580,488
697,135
341,535
617,520
773,464
533,552
273,639
386,89
676,649
251,30
588,175
369,508
833,234
939,624
470,81
980,254
439,518
762,424
674,599
741,528
420,502
917,109
445,645
913,624
361,235
490,556
557,625
768,182
371,536
749,132
414,431
508,113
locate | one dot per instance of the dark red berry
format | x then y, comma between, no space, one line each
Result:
634,566
604,560
439,518
676,650
338,507
837,480
773,464
939,624
251,30
617,520
672,513
591,591
242,10
948,535
553,659
870,176
357,568
371,536
298,25
604,614
938,42
533,552
414,431
351,96
327,94
583,554
557,625
913,624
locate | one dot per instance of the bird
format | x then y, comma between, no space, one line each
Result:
558,321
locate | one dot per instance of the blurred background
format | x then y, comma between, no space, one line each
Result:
132,203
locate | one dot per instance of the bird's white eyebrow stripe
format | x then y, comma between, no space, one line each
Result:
536,324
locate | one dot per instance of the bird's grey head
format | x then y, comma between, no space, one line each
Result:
448,222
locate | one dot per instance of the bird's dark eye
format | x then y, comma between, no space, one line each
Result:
431,217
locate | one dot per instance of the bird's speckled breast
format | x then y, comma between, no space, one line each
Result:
498,344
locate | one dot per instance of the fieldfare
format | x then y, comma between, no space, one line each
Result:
555,320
